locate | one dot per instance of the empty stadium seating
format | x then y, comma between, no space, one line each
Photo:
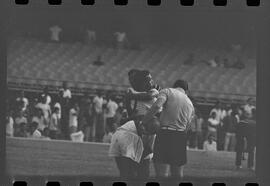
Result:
50,63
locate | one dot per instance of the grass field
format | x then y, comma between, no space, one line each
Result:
26,157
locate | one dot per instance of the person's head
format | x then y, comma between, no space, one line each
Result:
210,138
65,85
181,84
56,109
33,127
22,93
39,112
23,127
43,99
46,90
99,93
249,101
148,80
46,132
132,74
218,104
213,115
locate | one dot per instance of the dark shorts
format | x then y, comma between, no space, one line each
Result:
170,147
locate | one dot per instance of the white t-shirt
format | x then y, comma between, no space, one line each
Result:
248,109
120,36
112,107
48,99
210,147
73,118
125,142
220,114
98,103
214,122
45,108
66,93
54,123
9,127
77,136
212,63
36,134
25,102
41,122
91,34
55,31
58,106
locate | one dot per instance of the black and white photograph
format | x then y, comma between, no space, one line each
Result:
131,93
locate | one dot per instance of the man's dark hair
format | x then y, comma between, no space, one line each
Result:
181,84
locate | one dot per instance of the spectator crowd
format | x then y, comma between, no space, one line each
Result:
95,119
64,117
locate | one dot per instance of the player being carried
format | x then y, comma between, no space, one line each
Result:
139,99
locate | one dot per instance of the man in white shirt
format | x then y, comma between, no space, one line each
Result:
213,124
46,109
121,39
23,100
34,132
210,144
66,93
248,107
127,147
111,108
9,125
73,118
55,32
91,36
46,95
98,127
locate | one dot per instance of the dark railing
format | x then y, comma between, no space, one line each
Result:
80,87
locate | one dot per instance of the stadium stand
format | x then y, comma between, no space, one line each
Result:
35,62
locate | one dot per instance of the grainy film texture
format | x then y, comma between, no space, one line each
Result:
131,92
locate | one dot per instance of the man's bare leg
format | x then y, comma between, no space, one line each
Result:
162,170
177,171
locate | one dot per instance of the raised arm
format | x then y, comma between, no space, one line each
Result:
156,107
142,96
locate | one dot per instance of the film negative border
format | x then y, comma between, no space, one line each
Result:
255,3
56,183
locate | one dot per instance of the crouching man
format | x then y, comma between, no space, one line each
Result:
127,146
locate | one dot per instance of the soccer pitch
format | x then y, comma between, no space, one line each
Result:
27,157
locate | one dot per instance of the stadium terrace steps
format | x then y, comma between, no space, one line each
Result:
73,62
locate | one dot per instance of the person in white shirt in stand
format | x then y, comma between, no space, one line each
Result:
46,95
210,144
220,112
66,91
248,107
55,33
98,127
111,108
91,36
34,132
73,118
45,108
9,125
55,124
121,39
22,99
212,125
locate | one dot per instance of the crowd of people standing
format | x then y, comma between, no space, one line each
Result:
64,117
